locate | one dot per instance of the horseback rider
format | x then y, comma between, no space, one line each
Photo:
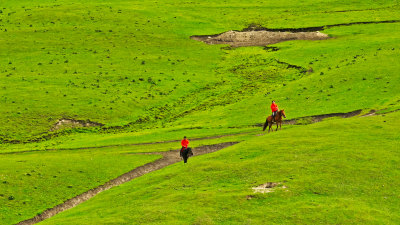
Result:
184,143
274,108
185,150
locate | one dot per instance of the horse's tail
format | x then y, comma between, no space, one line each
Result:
265,124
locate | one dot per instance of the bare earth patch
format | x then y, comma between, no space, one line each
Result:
70,123
257,38
267,187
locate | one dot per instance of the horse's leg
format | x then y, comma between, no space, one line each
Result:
280,125
185,156
269,126
277,125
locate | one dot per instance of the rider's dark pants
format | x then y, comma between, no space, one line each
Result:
273,115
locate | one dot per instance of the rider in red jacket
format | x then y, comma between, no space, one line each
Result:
184,143
274,108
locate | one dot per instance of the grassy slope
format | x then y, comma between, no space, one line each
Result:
82,140
118,62
349,74
40,180
79,61
356,69
108,142
341,171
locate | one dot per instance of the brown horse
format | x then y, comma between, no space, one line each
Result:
278,120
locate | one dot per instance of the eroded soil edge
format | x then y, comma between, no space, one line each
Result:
257,38
256,35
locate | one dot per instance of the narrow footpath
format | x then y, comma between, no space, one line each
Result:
168,158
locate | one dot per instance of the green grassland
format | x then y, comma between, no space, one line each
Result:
132,63
341,171
89,140
132,66
31,182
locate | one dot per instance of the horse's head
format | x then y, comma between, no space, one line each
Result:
283,113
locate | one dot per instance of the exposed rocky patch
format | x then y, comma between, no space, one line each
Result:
70,123
257,37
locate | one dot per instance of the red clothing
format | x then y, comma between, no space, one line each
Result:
274,107
185,143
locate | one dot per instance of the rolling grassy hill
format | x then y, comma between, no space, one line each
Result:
31,182
132,63
131,66
335,172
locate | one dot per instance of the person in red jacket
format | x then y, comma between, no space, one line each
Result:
185,152
184,143
274,108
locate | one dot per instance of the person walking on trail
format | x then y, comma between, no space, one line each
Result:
185,152
274,108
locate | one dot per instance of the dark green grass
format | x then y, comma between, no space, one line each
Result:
121,62
341,171
32,182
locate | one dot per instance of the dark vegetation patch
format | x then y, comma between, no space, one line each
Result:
256,27
271,49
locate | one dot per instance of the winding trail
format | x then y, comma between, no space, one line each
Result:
312,119
168,158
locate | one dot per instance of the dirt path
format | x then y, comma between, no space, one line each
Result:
319,118
168,158
151,143
311,119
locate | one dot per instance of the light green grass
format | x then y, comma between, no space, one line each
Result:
132,63
336,172
351,72
38,180
34,181
84,140
68,59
